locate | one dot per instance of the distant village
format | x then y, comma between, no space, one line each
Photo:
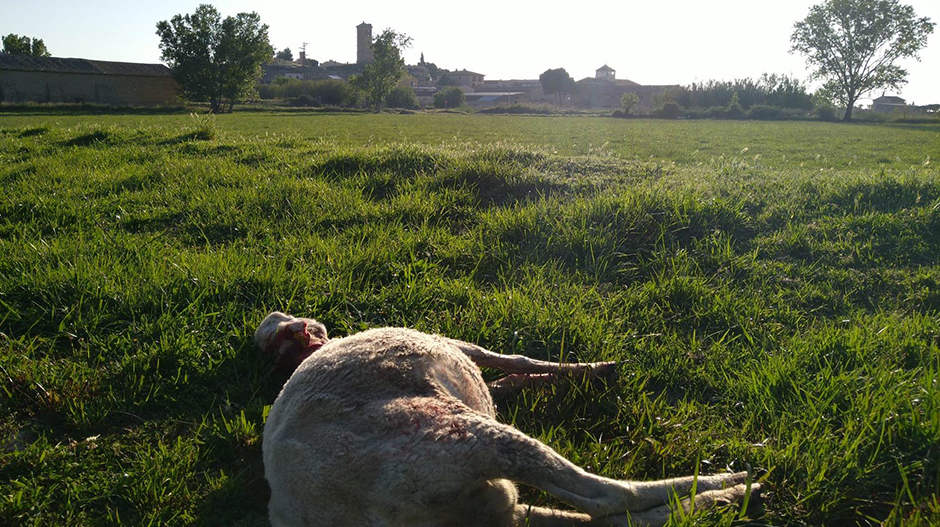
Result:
604,90
73,80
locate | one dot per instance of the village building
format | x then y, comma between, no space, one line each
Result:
421,74
292,71
530,88
888,104
461,78
605,90
67,80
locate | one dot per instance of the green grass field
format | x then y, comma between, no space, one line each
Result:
773,290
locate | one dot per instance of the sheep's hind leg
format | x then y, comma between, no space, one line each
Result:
527,515
501,451
658,516
524,371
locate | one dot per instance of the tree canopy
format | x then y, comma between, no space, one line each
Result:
854,45
285,54
213,59
382,74
22,45
557,82
629,101
450,97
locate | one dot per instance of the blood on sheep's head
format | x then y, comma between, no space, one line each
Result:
289,339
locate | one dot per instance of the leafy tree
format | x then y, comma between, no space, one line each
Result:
215,60
734,109
557,82
445,80
450,97
433,70
629,101
854,45
402,97
382,75
285,54
17,45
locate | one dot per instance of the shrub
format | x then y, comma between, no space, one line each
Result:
328,92
764,112
670,110
304,100
450,97
523,108
825,112
402,97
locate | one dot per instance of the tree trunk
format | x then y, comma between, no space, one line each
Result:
848,110
848,114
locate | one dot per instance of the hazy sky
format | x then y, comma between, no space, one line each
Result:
664,42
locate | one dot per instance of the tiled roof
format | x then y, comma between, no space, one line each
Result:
94,67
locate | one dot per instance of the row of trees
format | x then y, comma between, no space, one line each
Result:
22,45
781,91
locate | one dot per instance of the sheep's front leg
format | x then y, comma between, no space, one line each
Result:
524,371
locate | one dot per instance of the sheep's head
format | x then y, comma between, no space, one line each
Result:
289,339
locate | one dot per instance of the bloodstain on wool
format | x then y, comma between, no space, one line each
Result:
433,419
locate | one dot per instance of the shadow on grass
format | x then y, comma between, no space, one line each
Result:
90,139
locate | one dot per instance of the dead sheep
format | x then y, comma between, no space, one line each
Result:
394,427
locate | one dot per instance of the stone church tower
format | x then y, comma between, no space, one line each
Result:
364,54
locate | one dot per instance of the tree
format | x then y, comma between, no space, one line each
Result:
382,74
433,70
285,54
853,45
17,45
445,80
629,101
215,60
734,109
557,82
450,97
402,97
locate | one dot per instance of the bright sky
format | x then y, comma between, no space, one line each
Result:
664,42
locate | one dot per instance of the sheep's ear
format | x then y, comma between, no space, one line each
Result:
267,330
317,330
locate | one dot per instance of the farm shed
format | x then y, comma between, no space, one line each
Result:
53,79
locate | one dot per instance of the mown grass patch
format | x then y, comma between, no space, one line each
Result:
781,314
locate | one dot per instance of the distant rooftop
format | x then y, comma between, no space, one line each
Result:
459,72
71,65
889,99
